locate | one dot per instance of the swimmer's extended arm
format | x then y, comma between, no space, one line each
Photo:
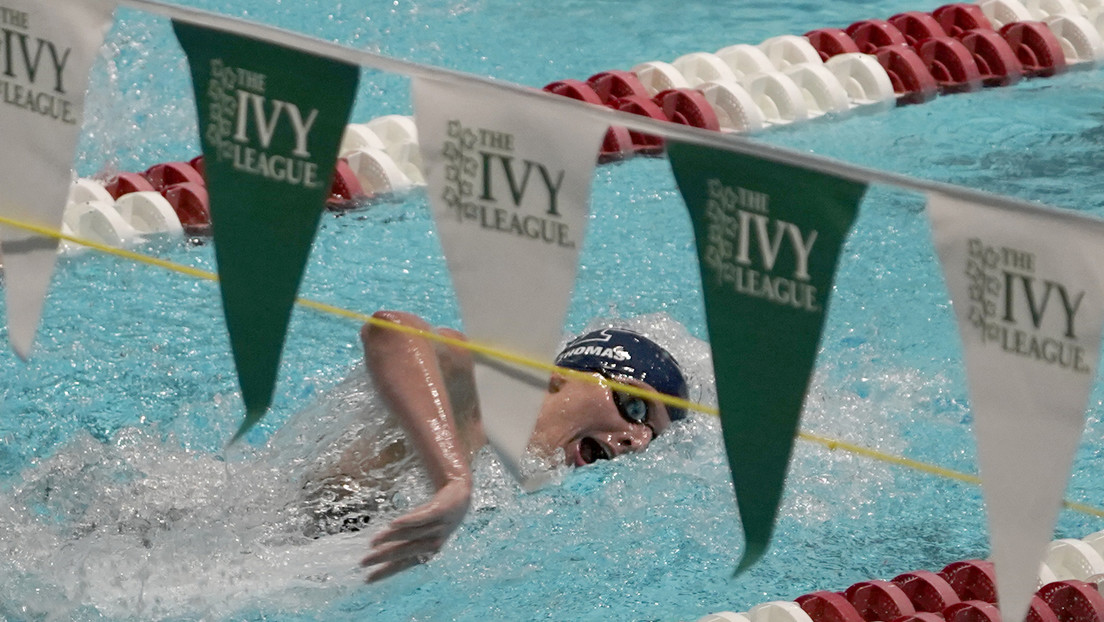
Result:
426,386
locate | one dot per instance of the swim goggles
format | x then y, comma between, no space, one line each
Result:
632,408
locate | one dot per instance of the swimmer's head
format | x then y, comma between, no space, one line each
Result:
615,352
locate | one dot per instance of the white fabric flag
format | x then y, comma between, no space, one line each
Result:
46,51
509,183
1028,293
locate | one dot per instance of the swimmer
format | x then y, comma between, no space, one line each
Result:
430,388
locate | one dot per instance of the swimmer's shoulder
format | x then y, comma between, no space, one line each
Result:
456,362
454,359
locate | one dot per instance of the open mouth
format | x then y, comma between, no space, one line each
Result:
591,451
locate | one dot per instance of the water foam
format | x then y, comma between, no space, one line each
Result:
140,526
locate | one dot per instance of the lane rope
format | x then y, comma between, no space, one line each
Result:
829,443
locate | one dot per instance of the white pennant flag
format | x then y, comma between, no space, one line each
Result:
46,48
1028,293
509,183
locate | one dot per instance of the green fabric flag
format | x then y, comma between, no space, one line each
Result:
271,120
768,238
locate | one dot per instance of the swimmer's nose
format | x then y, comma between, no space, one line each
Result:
636,438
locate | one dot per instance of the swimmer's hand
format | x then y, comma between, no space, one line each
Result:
420,533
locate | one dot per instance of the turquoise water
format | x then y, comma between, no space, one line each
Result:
118,501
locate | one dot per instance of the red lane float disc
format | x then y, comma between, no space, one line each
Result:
639,105
1073,601
879,600
972,579
575,89
346,189
1036,47
1040,611
972,611
994,57
611,85
921,616
618,143
916,26
827,606
688,107
926,590
829,42
871,34
198,164
169,173
910,77
642,143
951,64
192,207
956,19
125,183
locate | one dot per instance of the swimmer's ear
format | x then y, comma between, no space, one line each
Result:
556,383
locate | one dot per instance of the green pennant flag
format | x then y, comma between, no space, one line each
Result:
271,120
768,238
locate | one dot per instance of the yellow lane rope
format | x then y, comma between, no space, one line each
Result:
523,361
834,444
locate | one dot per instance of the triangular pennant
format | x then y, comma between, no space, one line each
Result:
271,120
768,238
1026,289
48,49
509,181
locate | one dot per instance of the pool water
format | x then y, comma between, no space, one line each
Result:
119,501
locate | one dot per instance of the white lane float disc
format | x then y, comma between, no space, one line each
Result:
735,107
408,157
1001,12
1096,18
778,611
781,100
1081,42
1088,6
700,67
85,189
1095,540
359,136
1073,559
98,221
864,79
393,129
745,60
149,212
1042,9
823,92
1046,575
377,172
66,247
657,76
786,50
724,616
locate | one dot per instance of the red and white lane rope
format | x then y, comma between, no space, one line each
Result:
909,58
1070,581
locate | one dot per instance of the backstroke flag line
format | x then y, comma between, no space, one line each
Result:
768,238
271,120
48,48
1028,293
509,184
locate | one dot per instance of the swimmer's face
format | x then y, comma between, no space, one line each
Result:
583,419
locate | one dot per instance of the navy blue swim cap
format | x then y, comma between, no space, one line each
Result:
620,352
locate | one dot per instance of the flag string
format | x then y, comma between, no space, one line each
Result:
672,131
832,444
